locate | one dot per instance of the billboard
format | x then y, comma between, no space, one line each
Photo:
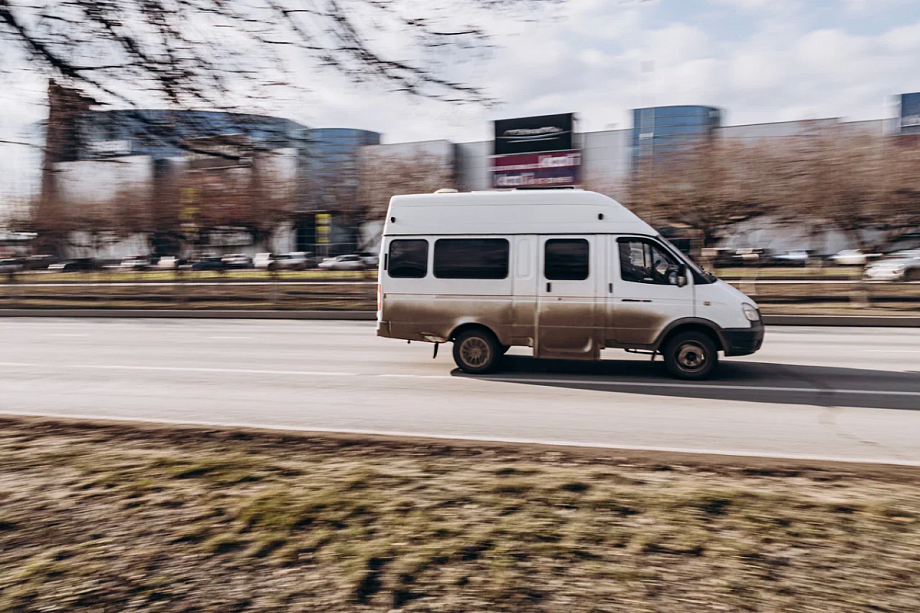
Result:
552,169
909,115
534,134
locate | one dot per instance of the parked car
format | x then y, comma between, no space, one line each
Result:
282,261
212,263
38,262
237,260
796,257
748,256
10,266
899,266
849,257
371,260
169,262
77,265
135,262
343,262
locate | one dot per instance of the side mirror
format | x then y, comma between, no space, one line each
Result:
682,275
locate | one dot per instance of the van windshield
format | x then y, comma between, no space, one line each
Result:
697,270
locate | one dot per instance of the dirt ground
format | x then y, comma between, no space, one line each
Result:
119,518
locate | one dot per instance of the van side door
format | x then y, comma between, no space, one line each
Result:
646,296
566,297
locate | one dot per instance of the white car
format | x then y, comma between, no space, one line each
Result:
343,262
168,262
849,257
10,266
237,260
900,266
281,261
136,262
371,260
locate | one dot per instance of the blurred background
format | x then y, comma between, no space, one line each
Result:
776,141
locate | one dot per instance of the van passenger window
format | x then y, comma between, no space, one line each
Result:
408,259
643,262
471,258
566,259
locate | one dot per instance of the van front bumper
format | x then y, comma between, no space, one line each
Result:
743,341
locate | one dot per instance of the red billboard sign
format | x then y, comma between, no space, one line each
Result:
551,169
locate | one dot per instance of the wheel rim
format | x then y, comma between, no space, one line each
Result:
474,351
691,357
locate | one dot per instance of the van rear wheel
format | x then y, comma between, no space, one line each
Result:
691,355
477,352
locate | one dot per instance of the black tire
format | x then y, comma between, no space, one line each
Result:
690,355
477,352
503,349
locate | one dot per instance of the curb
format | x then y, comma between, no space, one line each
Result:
191,314
854,321
858,321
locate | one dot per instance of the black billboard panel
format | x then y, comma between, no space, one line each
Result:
534,134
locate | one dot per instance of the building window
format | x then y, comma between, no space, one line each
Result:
408,259
471,258
566,259
643,262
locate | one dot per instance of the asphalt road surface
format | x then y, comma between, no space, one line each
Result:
820,393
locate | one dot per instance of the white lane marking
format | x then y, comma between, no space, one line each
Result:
236,371
67,334
893,350
230,338
536,380
703,386
482,439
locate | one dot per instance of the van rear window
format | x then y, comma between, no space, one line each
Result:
408,259
471,258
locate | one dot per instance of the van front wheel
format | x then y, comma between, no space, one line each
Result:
477,352
691,355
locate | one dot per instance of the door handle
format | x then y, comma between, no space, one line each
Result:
549,287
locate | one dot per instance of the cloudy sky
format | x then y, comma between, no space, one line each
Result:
759,60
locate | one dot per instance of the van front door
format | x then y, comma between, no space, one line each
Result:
566,298
646,295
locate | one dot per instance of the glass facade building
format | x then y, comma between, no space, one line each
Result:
330,213
658,131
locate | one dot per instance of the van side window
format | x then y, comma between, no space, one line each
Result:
566,259
471,258
408,259
643,262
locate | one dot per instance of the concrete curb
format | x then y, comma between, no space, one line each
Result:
855,321
190,314
862,321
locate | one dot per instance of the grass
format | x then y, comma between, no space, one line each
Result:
797,272
122,518
112,276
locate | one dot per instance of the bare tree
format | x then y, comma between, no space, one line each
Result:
190,52
706,185
382,177
826,178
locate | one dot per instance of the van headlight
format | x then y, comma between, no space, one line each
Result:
750,312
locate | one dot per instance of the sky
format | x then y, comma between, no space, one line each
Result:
758,60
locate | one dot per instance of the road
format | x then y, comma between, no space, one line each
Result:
821,393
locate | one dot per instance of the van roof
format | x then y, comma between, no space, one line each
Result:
511,212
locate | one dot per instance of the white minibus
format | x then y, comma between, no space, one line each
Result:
566,272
